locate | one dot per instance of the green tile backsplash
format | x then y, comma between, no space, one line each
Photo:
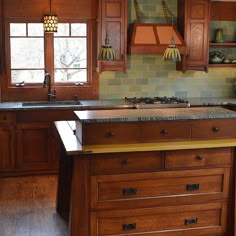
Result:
149,75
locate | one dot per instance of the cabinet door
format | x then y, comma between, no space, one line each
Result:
6,148
195,28
113,24
34,146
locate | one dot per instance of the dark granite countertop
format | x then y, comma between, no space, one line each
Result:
84,105
103,104
130,115
212,101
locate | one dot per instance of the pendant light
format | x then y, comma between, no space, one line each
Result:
172,52
106,52
50,22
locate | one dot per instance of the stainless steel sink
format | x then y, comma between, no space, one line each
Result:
54,103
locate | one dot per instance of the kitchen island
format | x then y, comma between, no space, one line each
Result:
166,172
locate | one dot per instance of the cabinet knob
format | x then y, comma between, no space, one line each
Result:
111,134
129,191
125,162
192,187
191,221
164,131
199,157
129,226
4,117
216,129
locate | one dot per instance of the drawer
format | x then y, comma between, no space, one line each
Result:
126,163
191,220
110,133
165,131
198,158
7,118
119,189
214,129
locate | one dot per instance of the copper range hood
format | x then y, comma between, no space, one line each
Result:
153,38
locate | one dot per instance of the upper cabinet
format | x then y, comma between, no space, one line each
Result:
208,28
222,45
193,24
112,35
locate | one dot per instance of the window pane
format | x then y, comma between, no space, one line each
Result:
78,29
35,29
27,53
70,53
63,30
70,75
29,76
17,29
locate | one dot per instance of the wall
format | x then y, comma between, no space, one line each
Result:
149,75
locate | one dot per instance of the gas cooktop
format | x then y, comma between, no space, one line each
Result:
157,102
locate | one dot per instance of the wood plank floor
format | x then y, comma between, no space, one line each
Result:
27,207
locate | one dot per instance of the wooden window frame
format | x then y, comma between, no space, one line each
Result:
65,91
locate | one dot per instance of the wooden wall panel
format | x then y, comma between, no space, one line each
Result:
223,11
37,8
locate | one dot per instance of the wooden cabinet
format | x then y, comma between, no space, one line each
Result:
182,192
223,17
34,145
112,22
193,23
7,142
28,141
7,145
174,191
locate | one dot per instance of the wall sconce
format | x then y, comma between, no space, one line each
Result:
172,52
50,22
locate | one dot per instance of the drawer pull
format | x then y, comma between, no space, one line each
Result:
129,226
191,221
4,118
125,162
111,134
215,129
164,131
192,187
200,157
129,191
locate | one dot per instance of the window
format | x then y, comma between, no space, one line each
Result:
28,53
70,53
70,56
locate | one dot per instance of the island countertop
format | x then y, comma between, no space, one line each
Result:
134,115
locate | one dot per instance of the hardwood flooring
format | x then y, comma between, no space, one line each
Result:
27,207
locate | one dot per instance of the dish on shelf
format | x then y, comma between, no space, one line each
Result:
227,61
216,57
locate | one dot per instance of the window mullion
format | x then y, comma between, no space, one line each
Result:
49,55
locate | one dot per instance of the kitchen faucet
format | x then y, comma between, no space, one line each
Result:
47,82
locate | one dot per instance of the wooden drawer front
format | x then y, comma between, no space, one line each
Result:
198,157
125,163
110,134
165,131
191,220
120,188
7,118
212,129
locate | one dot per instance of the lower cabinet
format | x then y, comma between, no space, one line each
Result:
159,193
34,146
28,141
7,145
